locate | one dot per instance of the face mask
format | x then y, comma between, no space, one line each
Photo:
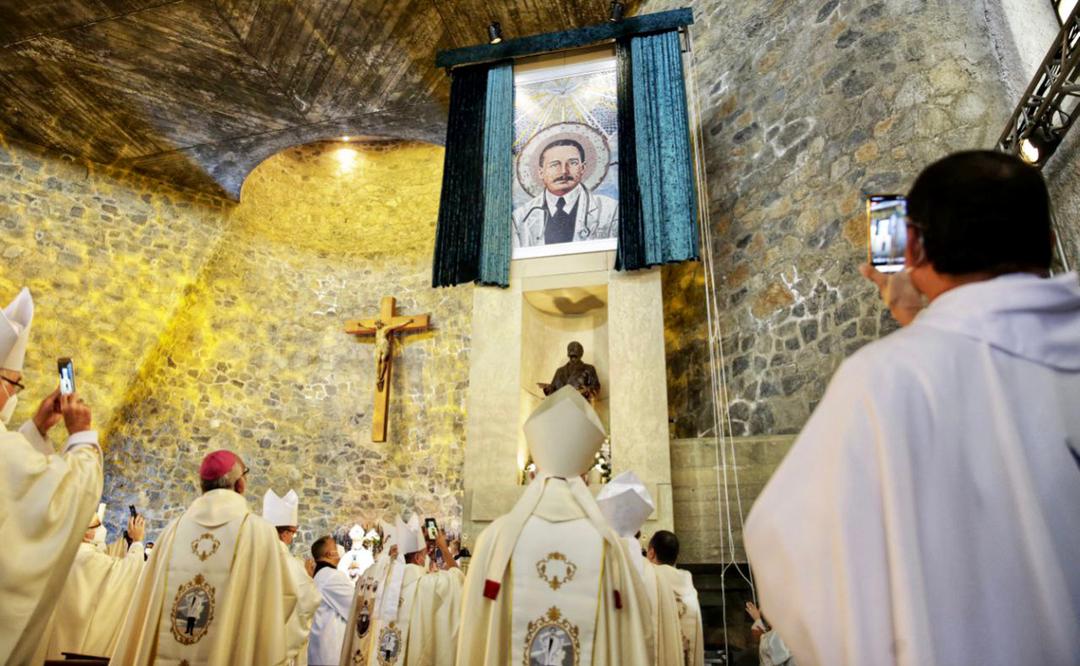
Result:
9,409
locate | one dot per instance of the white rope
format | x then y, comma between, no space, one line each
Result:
725,445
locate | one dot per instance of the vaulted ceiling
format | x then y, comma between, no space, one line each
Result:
198,92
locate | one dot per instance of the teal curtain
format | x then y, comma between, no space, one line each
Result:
461,202
498,171
658,212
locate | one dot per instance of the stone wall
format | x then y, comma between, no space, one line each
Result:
258,361
107,256
198,325
708,511
806,108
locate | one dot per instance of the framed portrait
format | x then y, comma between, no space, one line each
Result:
565,155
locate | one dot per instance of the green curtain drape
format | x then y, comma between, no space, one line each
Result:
472,241
461,203
657,199
498,171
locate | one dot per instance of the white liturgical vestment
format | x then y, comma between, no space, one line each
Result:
425,629
929,512
568,593
93,603
688,608
328,629
46,502
217,590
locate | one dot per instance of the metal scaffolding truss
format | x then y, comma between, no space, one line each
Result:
1050,103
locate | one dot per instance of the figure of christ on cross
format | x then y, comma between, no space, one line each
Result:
383,328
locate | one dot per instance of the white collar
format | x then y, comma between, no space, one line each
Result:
570,199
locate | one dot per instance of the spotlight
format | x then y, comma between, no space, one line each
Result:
346,138
346,159
494,33
617,9
1029,152
1037,147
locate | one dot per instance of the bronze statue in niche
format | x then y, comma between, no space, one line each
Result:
576,373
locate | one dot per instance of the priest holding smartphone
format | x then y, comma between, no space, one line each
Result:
417,614
54,495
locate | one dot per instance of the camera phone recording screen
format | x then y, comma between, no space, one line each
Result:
887,217
67,377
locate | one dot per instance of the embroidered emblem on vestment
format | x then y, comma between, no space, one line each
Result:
363,619
389,645
555,570
205,546
192,611
551,640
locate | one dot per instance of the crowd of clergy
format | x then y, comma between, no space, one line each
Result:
928,514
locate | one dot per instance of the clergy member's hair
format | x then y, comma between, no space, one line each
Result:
666,546
982,211
321,547
227,481
562,142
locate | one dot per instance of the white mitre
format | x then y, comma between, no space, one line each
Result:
626,503
564,434
281,511
15,330
410,537
356,533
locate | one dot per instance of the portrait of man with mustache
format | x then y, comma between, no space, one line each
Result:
566,211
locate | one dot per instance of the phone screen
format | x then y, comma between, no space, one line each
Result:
432,529
67,375
886,215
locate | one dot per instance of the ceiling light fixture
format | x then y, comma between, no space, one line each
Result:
494,33
346,138
617,9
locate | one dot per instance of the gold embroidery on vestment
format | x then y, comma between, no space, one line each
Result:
205,546
192,611
552,640
550,574
388,646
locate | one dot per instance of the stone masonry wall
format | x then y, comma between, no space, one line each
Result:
198,325
258,361
107,256
806,108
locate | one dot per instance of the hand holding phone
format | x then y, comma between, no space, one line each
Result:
886,217
67,375
432,529
131,508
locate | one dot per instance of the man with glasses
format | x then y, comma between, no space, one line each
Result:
928,512
46,499
219,587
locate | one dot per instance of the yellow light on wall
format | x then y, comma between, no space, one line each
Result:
346,159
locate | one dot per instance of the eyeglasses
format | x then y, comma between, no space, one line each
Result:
18,386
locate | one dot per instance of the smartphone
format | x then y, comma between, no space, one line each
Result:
431,528
886,216
67,375
131,508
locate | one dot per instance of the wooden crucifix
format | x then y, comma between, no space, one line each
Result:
383,326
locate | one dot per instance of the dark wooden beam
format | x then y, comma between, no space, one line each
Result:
566,39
